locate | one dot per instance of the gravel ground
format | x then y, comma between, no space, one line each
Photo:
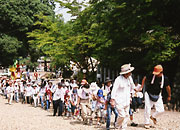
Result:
25,117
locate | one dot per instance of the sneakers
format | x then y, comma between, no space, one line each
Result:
153,119
147,126
134,124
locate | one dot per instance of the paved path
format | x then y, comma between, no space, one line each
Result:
25,117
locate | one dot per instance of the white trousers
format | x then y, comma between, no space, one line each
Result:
10,97
159,108
123,116
35,98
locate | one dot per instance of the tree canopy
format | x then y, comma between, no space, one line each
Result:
16,19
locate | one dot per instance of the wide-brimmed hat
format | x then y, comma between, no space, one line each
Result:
126,68
108,80
158,69
93,86
83,82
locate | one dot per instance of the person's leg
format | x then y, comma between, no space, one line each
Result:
35,101
56,104
47,104
11,97
131,118
159,107
121,116
31,100
139,102
116,115
61,108
84,112
126,117
148,106
42,101
17,96
108,117
134,104
8,96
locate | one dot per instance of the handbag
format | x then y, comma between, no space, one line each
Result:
153,98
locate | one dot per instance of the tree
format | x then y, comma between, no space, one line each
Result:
143,33
17,18
9,47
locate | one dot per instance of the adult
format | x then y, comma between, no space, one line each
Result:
108,106
120,96
41,94
16,92
153,94
28,92
48,95
10,92
35,92
84,94
58,100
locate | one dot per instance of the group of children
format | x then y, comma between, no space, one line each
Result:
71,99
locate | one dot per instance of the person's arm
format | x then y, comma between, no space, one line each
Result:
78,101
142,84
168,89
106,104
113,93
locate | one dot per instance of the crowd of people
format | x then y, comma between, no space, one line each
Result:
90,101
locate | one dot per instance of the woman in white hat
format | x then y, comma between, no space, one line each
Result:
121,95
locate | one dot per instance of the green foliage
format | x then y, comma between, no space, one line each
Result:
163,45
9,47
17,18
126,24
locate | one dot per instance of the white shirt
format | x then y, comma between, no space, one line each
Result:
22,88
107,88
42,91
74,98
59,94
35,92
84,95
137,94
29,91
53,88
16,88
9,89
121,90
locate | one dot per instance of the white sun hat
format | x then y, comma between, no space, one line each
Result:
126,68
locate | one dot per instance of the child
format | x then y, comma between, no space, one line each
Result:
67,104
74,99
100,105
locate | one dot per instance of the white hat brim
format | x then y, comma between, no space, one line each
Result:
130,70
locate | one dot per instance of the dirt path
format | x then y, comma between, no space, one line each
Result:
25,117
